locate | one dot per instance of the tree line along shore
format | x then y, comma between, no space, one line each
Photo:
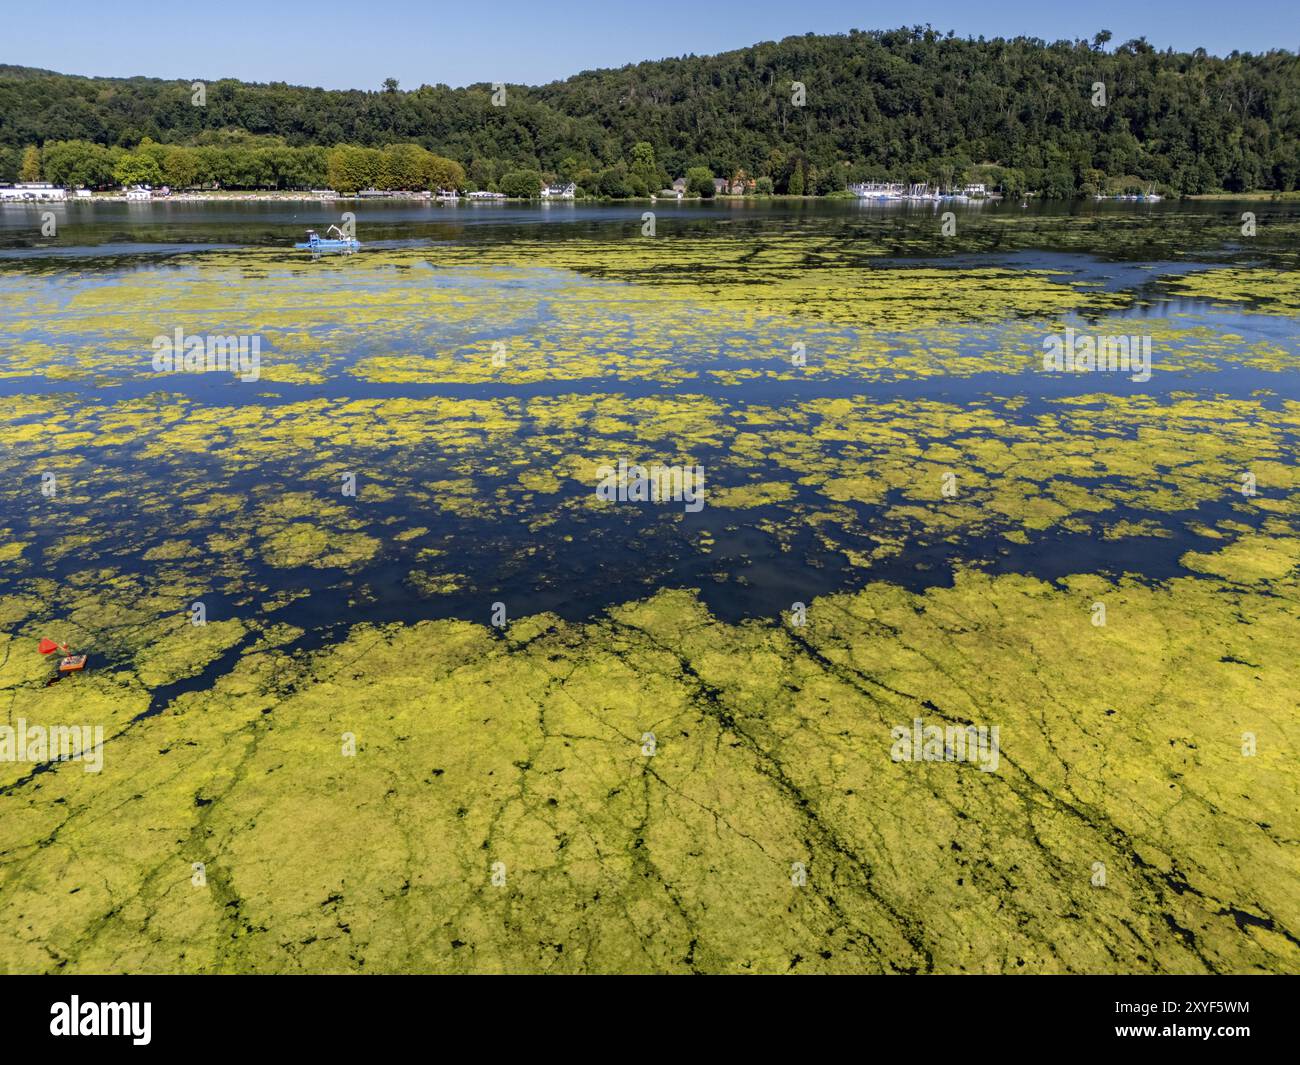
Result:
810,115
278,171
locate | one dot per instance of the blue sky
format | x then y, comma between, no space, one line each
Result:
356,44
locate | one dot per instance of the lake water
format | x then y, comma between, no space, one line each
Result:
655,349
376,656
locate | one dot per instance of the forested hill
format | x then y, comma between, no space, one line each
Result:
901,104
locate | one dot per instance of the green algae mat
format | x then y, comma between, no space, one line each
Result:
959,661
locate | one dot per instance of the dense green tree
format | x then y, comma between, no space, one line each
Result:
402,166
829,181
180,167
585,179
78,164
137,168
525,184
699,182
645,175
444,173
795,186
350,169
483,173
614,183
297,168
30,168
568,169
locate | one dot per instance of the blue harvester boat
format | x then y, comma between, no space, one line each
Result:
315,242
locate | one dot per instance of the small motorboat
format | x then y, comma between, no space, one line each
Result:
72,664
315,242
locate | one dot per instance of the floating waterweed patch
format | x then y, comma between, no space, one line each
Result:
303,543
1251,558
470,737
1267,291
743,497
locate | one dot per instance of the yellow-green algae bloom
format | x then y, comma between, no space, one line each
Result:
500,812
651,788
664,310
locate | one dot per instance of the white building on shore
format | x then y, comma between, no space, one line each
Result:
33,192
878,190
560,192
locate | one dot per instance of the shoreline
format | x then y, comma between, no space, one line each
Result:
1263,194
292,196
